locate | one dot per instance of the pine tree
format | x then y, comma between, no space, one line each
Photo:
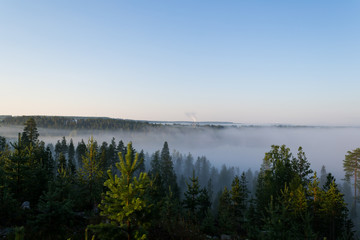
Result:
333,212
62,162
124,203
8,204
351,166
315,194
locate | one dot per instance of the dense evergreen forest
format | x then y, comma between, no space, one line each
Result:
57,122
113,191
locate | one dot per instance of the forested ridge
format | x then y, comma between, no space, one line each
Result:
110,190
101,123
96,123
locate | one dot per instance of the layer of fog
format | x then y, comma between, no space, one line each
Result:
239,147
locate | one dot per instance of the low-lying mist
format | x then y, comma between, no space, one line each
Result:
239,147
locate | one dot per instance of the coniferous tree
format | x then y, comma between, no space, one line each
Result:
91,173
351,166
71,157
30,134
80,152
17,169
239,195
204,204
188,166
333,212
113,154
121,148
167,170
103,156
64,147
142,165
58,149
62,162
191,201
2,143
316,194
301,166
323,176
224,213
124,203
8,204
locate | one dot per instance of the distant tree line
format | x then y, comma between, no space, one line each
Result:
97,123
112,191
57,122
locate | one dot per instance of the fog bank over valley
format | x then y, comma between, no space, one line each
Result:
242,147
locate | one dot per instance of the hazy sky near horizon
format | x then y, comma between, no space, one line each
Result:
270,61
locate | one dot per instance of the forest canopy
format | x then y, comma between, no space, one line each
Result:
113,191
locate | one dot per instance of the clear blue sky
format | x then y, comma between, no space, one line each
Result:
242,61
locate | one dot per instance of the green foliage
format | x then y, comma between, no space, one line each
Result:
124,203
239,195
81,123
30,134
71,157
91,174
167,172
54,219
351,166
333,212
289,204
225,213
191,200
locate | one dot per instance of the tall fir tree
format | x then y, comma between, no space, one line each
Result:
167,172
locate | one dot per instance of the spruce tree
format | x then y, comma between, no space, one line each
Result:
30,134
225,214
167,172
71,157
191,200
80,152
